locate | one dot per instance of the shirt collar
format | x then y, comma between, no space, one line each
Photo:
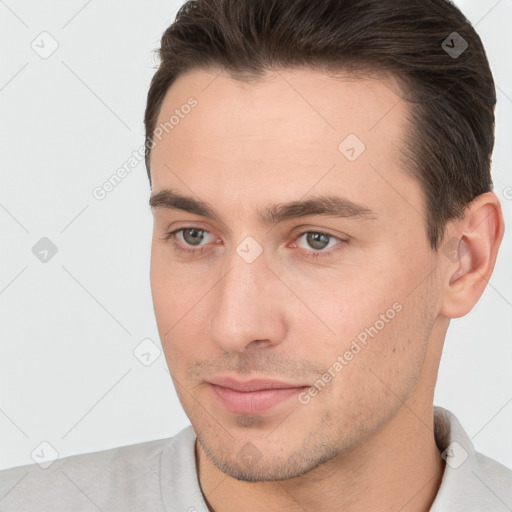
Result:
471,481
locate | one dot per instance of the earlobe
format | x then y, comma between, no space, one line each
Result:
470,254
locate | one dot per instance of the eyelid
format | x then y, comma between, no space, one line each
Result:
301,230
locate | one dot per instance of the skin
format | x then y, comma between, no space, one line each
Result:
365,441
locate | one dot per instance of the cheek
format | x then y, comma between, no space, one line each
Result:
367,380
382,324
174,288
170,296
181,302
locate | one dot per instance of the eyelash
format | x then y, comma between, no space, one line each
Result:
171,236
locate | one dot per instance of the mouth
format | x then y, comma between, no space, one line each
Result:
254,396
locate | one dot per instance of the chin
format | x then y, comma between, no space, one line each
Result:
249,464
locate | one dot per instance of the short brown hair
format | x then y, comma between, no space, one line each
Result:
449,145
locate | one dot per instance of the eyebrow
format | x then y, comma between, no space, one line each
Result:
326,205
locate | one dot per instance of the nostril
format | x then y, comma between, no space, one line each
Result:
258,343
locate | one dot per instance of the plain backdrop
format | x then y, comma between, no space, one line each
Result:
69,326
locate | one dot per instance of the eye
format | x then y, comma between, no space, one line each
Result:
190,236
188,240
319,241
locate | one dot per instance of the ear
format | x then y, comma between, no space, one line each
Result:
470,249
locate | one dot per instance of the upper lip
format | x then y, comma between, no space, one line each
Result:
253,384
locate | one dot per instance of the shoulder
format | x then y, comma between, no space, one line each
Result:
488,485
471,481
114,479
496,474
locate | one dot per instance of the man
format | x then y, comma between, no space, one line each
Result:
322,208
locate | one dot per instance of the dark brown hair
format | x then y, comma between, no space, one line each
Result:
449,142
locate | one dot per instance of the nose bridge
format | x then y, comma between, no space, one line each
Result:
246,301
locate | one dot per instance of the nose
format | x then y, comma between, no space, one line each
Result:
249,310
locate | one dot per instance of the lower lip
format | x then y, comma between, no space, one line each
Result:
252,402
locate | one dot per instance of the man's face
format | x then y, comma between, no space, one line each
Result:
341,307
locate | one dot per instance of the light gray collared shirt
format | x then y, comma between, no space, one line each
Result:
161,476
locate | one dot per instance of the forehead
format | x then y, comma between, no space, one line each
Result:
319,101
297,129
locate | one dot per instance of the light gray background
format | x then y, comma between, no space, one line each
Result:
68,327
